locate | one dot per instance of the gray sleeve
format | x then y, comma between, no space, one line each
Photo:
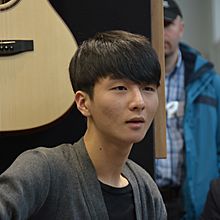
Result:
24,186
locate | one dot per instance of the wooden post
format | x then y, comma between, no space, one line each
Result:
157,28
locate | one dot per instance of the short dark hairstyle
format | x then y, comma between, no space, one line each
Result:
117,54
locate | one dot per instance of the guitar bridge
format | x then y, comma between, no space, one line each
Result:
13,47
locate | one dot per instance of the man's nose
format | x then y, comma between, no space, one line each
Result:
137,100
165,32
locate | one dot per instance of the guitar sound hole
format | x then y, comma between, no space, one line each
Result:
6,4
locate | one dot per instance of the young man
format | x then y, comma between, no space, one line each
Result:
193,123
115,76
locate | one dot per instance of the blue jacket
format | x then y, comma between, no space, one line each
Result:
201,129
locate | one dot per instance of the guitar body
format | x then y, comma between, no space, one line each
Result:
35,88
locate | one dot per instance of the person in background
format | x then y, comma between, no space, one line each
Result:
211,210
115,76
192,89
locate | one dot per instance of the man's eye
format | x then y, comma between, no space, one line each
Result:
149,88
120,88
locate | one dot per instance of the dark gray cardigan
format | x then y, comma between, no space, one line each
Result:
60,183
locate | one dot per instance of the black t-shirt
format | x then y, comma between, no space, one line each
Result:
119,202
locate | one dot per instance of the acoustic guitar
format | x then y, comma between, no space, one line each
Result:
36,47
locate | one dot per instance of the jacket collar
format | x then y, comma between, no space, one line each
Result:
195,64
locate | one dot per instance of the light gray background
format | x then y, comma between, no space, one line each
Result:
202,27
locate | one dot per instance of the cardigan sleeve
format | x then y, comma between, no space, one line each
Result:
24,186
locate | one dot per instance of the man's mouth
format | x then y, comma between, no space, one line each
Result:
136,120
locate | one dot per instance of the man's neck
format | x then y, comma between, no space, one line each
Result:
108,160
170,62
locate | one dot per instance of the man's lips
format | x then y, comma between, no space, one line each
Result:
135,123
136,120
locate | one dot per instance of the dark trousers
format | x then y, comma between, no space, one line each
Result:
173,202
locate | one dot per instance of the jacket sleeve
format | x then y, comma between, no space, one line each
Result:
24,186
217,86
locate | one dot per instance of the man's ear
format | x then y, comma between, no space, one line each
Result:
82,101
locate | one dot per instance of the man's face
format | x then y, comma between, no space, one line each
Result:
173,32
121,111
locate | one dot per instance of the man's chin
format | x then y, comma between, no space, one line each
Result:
168,54
138,139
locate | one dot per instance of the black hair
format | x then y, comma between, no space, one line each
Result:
117,54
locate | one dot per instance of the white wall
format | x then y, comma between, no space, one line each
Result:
215,18
215,46
202,30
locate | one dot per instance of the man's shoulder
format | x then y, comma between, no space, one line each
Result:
186,48
52,151
64,148
55,156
